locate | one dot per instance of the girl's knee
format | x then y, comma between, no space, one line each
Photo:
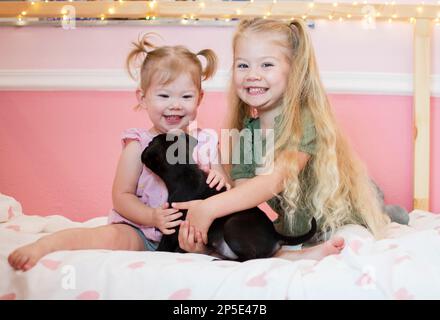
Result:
123,237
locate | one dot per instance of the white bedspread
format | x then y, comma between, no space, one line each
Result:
405,265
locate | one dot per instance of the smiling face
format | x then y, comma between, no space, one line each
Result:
260,70
172,105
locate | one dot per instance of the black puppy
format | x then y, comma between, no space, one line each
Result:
241,236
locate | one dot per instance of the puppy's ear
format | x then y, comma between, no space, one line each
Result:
153,155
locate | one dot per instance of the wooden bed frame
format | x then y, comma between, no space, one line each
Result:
422,16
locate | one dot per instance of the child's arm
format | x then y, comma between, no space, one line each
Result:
239,181
217,176
245,195
124,196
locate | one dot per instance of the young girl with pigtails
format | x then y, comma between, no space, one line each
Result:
170,92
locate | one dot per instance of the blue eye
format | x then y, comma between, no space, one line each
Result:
242,65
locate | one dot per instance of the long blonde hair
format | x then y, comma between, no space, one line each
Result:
168,62
341,191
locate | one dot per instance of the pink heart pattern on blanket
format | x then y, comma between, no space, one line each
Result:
88,295
182,294
14,227
50,264
401,259
308,270
403,294
9,296
365,280
355,245
10,213
257,281
136,265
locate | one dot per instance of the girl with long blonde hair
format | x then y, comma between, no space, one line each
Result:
315,173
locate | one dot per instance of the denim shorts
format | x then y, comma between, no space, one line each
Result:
149,244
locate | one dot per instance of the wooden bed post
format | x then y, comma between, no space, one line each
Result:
422,86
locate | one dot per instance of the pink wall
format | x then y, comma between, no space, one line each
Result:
341,46
379,128
99,47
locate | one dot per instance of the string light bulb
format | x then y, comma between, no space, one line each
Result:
20,21
397,13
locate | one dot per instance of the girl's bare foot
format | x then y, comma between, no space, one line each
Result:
332,246
111,237
27,256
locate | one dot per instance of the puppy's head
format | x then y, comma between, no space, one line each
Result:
168,150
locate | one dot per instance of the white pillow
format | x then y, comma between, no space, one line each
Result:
9,208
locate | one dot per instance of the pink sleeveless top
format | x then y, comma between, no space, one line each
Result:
151,190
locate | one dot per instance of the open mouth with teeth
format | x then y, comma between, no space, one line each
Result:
256,90
173,119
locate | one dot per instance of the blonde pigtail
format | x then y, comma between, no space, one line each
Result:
211,63
140,52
